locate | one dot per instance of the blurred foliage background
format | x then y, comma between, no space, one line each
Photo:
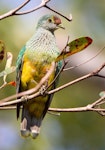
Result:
69,131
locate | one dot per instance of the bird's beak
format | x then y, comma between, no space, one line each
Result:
61,26
58,22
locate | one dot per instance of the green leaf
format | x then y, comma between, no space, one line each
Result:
7,71
75,47
2,50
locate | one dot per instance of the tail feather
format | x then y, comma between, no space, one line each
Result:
35,130
29,124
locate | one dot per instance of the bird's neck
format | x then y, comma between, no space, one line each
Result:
43,43
41,36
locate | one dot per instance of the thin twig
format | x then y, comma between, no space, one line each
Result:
3,85
10,107
99,75
54,110
78,80
43,3
90,59
96,103
58,74
68,19
77,109
89,107
13,12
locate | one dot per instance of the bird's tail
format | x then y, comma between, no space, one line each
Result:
29,124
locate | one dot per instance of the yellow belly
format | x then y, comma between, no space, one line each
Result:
32,73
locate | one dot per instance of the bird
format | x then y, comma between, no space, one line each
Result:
33,62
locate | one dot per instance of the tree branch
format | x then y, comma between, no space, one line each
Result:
42,4
89,107
68,19
13,12
94,73
29,95
99,52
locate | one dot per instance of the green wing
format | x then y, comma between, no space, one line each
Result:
18,74
18,68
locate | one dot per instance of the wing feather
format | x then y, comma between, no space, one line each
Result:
18,75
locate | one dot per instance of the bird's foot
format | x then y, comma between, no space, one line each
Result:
24,98
25,133
43,88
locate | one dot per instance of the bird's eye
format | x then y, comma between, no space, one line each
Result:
49,20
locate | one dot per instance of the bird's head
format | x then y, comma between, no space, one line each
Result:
50,22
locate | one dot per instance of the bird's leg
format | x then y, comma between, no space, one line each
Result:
43,88
24,98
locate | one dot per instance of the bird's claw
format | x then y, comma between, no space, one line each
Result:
42,90
24,98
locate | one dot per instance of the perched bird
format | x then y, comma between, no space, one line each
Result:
34,61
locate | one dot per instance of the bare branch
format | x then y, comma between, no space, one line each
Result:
89,107
78,80
3,85
8,108
43,3
68,19
13,12
57,75
78,109
99,75
100,51
98,102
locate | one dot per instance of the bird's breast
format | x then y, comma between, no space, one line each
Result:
33,72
